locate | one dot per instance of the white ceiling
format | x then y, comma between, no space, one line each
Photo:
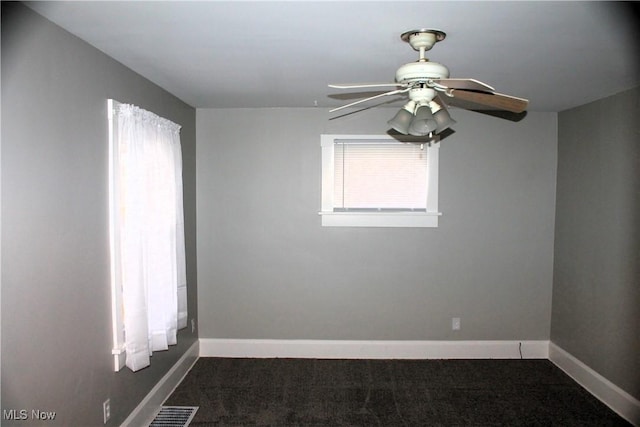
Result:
226,54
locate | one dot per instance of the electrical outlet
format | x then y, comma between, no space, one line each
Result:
193,325
455,323
106,410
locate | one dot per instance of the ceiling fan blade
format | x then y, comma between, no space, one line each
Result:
393,92
466,84
364,85
497,100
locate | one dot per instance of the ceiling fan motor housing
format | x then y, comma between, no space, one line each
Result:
421,71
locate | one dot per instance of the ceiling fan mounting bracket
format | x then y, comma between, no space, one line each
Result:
423,39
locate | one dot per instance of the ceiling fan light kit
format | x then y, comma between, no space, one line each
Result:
402,120
423,81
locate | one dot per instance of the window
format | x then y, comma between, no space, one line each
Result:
148,278
378,181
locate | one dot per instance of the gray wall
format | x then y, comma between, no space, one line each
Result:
56,318
596,284
267,269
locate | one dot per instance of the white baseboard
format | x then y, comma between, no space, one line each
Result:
338,349
146,411
610,394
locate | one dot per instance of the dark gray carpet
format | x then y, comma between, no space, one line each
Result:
317,392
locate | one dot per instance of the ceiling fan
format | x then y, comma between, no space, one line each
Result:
429,89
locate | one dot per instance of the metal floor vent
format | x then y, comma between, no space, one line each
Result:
174,416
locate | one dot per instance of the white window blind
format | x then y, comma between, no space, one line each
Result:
379,181
381,175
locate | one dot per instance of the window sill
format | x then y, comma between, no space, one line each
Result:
380,219
119,356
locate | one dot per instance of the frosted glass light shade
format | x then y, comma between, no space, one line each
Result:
401,121
423,123
443,120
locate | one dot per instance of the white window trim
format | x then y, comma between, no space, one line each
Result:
117,321
377,219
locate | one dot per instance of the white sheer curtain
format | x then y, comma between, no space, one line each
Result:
149,232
